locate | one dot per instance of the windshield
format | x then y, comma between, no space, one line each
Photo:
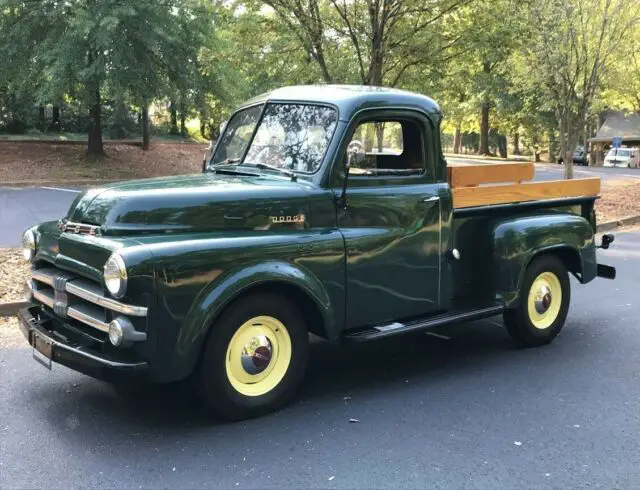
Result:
621,153
290,136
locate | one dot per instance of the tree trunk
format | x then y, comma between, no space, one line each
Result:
55,118
502,146
145,126
516,143
552,146
42,122
563,144
203,127
95,146
484,129
570,142
457,140
380,136
174,118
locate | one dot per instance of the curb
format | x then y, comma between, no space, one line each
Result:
10,309
612,225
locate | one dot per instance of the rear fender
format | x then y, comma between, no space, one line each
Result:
517,242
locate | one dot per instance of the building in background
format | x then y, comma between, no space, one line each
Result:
616,124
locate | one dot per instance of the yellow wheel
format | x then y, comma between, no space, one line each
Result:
254,357
258,356
545,298
544,303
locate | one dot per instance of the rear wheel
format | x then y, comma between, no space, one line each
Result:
254,357
544,303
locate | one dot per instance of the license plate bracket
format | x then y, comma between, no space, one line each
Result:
42,350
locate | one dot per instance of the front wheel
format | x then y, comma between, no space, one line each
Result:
544,303
254,358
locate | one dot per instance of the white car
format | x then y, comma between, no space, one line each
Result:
623,157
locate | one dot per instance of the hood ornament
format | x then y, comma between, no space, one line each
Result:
66,226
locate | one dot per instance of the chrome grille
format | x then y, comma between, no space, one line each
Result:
71,296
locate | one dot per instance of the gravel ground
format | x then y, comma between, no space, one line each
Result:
619,200
14,273
52,162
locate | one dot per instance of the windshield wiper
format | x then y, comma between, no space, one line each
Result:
283,171
228,161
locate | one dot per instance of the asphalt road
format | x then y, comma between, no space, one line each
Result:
20,208
23,207
465,409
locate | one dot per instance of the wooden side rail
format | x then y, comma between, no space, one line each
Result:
470,175
467,197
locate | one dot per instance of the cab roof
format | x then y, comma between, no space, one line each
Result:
349,99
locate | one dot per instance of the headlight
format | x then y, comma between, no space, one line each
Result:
115,275
28,245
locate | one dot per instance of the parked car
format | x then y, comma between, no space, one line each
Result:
580,156
623,157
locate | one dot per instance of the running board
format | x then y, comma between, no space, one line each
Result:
396,328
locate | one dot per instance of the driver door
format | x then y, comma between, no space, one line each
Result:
391,225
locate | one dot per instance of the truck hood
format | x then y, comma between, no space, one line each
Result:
199,202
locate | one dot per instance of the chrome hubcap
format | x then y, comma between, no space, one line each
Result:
542,299
256,355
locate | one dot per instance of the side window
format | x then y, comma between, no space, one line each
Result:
387,148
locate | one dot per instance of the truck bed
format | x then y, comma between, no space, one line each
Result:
504,183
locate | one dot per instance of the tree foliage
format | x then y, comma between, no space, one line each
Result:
535,72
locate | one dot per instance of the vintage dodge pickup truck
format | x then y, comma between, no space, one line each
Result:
323,209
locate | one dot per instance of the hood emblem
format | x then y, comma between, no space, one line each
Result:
298,218
65,225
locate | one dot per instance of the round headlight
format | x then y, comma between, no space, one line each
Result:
116,334
115,275
28,245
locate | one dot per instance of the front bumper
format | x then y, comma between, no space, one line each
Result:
97,365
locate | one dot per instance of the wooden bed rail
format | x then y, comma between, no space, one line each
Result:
468,175
466,183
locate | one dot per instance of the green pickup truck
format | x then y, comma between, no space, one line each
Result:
323,209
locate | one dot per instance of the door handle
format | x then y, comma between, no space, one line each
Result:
431,199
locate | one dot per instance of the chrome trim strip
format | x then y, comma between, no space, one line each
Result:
105,302
88,319
43,298
440,252
47,276
40,275
72,312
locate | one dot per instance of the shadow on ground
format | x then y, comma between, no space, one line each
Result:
334,372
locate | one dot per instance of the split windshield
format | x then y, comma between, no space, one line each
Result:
289,136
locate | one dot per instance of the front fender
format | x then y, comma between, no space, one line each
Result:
220,292
517,241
